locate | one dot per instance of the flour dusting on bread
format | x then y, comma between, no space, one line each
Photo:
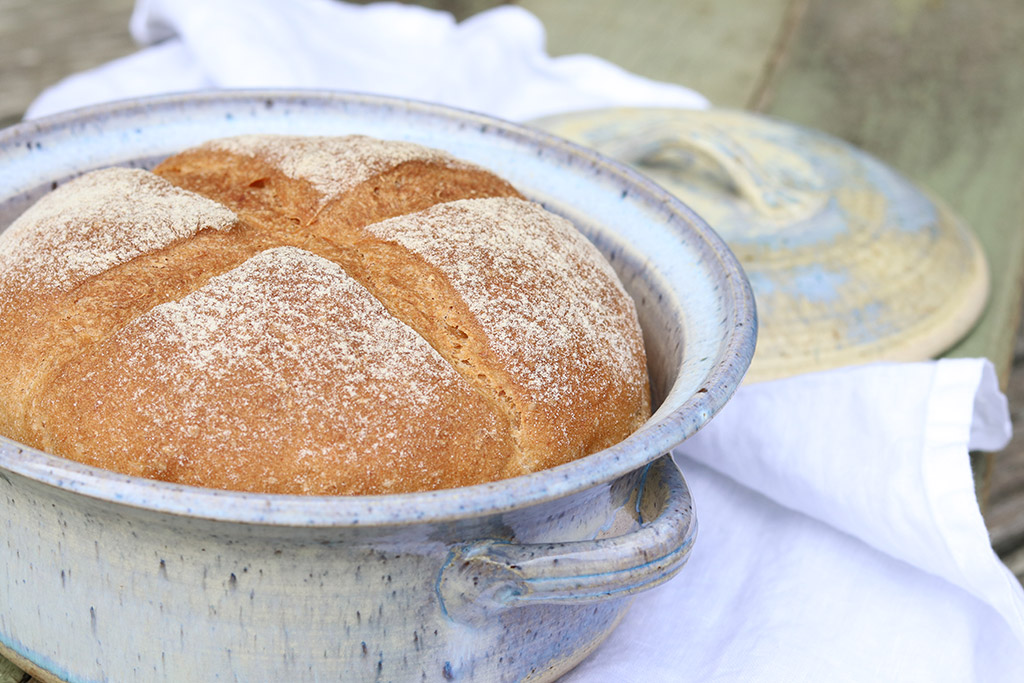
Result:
332,165
293,378
553,301
101,220
287,311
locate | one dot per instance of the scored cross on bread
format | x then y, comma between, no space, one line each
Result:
312,315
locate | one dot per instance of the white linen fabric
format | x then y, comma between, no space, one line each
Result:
840,536
494,62
839,539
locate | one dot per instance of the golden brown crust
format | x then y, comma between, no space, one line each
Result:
282,375
320,316
526,313
241,174
55,300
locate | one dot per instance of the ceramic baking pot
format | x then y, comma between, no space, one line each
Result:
105,577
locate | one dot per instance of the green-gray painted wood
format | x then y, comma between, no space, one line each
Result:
936,90
42,42
720,49
10,673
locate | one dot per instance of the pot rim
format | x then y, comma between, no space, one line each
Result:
666,429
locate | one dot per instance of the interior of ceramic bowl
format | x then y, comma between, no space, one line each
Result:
694,303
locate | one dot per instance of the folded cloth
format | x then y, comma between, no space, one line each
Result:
494,62
840,537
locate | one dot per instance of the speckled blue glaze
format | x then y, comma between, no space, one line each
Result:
109,577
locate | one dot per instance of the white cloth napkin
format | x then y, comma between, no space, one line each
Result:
494,62
840,537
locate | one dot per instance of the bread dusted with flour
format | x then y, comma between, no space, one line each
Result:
315,316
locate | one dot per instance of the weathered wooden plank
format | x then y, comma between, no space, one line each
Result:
934,89
10,673
42,42
1004,514
720,49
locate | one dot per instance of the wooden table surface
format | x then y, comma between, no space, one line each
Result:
934,89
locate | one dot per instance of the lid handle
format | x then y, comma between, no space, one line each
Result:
775,182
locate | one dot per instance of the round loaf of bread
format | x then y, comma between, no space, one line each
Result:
322,316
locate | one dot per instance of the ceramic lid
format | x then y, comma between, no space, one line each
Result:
849,261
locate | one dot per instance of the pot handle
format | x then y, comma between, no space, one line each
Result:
488,576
